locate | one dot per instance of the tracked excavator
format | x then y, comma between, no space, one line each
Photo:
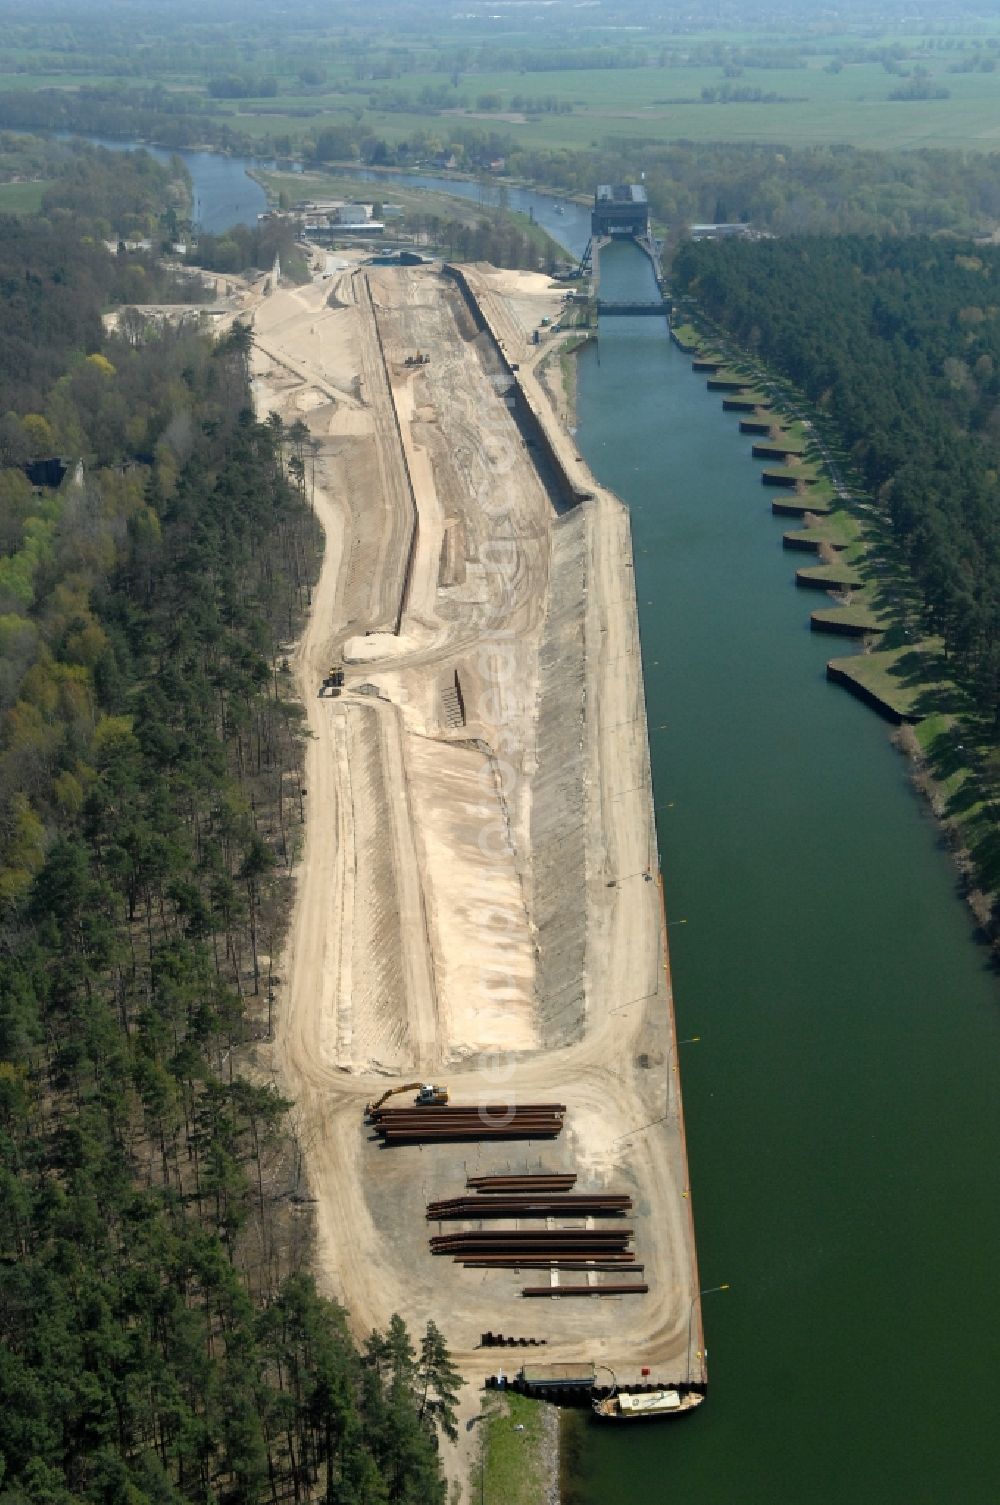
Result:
428,1096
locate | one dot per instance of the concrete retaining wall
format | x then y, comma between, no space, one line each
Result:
819,623
531,425
861,692
772,451
797,509
809,581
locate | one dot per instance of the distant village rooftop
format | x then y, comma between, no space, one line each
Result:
720,231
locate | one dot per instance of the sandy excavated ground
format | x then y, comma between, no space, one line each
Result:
477,901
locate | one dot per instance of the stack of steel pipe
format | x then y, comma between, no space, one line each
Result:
572,1205
623,1262
550,1181
472,1121
595,1243
609,1290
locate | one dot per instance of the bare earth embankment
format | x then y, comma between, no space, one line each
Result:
477,901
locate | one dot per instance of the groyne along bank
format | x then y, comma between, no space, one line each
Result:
804,486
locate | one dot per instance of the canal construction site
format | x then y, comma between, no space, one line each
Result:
475,1017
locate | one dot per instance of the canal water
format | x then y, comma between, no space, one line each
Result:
842,1101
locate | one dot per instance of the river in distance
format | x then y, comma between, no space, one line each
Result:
842,1104
224,194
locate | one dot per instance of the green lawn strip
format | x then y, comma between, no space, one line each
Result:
940,739
910,679
515,1466
960,769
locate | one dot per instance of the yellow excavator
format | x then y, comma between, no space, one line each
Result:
428,1096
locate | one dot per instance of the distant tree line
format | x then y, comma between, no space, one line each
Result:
899,342
784,189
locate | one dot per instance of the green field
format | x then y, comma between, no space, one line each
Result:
22,198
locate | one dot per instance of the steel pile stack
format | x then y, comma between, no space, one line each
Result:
541,1205
552,1181
581,1243
470,1121
546,1194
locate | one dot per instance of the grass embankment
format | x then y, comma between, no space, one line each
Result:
519,1458
910,679
962,786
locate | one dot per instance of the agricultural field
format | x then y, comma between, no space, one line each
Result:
875,83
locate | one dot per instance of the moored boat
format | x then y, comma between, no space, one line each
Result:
645,1405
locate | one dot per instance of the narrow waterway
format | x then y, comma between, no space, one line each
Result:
842,1102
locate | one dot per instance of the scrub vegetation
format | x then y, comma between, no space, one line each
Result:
517,1451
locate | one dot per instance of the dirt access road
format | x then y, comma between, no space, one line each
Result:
477,900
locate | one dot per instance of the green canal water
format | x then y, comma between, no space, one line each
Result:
842,1103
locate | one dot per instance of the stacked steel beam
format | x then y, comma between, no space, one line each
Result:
589,1243
583,1251
471,1121
541,1205
551,1181
623,1262
638,1289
